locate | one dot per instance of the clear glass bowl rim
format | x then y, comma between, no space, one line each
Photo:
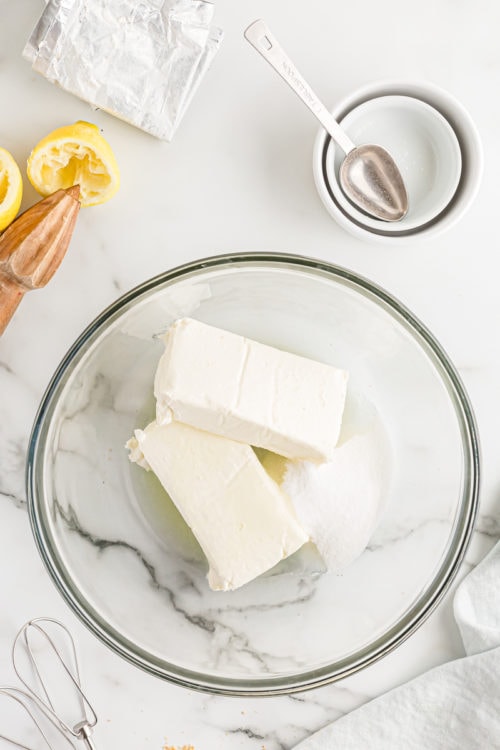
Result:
308,679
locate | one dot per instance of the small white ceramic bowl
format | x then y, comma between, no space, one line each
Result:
423,145
471,157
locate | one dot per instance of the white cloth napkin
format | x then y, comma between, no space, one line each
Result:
455,706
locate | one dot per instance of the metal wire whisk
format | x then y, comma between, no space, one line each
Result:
26,702
37,688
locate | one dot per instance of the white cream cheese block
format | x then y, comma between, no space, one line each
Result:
246,391
244,523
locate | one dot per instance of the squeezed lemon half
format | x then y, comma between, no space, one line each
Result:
75,155
11,189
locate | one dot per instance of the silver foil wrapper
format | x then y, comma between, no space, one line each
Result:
140,60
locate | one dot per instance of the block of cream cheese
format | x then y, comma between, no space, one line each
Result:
243,521
243,390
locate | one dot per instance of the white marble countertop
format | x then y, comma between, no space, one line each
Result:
238,177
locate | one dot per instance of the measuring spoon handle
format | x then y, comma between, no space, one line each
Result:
261,38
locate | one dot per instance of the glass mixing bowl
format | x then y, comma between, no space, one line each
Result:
125,562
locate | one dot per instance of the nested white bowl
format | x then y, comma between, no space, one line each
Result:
125,562
471,154
423,145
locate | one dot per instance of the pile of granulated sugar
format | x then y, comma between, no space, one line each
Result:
339,503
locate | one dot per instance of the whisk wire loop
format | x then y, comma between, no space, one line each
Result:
39,692
25,700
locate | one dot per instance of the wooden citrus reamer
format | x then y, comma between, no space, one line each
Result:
33,246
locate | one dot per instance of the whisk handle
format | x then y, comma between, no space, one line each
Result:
84,731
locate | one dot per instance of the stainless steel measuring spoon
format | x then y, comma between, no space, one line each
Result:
368,175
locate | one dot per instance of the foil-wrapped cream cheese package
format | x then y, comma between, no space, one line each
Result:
140,61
